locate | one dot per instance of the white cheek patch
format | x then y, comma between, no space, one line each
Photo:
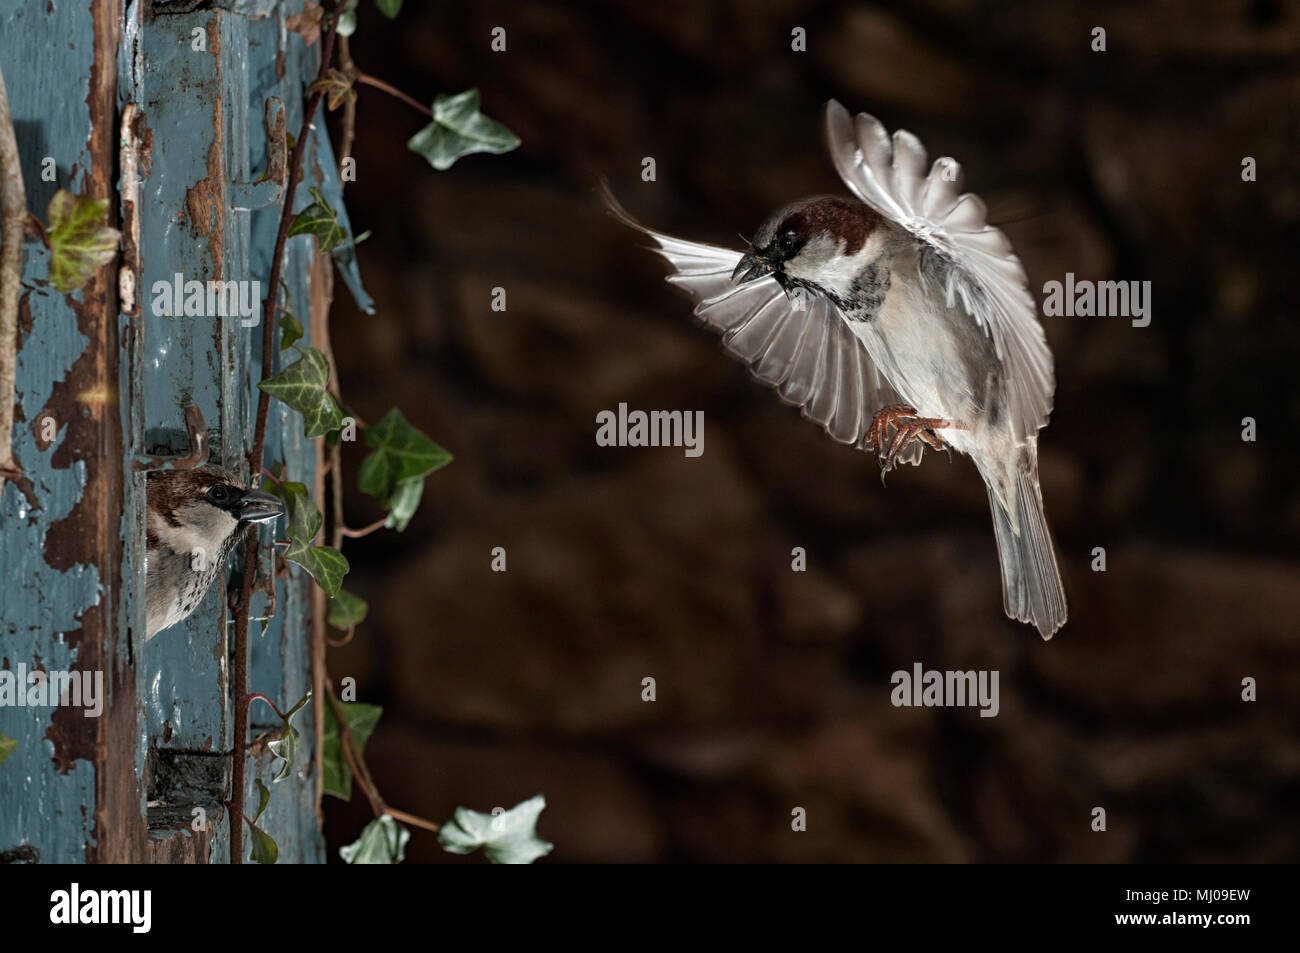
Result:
823,262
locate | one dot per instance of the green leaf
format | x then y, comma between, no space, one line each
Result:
389,8
336,777
459,129
263,799
304,518
404,502
382,842
325,564
290,331
79,238
286,746
303,386
7,747
346,610
506,838
394,473
264,849
321,220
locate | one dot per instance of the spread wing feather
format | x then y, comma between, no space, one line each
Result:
807,354
964,259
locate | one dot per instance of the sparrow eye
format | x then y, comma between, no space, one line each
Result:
221,494
786,242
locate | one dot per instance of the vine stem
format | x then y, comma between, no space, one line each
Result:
349,108
393,91
13,205
339,643
411,819
244,606
249,699
363,531
362,773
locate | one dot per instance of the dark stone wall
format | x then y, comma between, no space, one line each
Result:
773,687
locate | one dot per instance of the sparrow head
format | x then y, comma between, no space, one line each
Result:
821,243
207,506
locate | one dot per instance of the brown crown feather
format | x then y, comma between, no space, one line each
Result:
851,222
168,490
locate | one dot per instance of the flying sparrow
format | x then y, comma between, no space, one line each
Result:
896,320
194,518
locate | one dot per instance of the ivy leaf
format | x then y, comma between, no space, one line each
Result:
264,848
290,331
286,746
507,838
346,610
389,8
325,564
319,219
404,502
459,129
394,473
79,238
337,87
336,776
382,842
263,799
7,747
303,386
304,518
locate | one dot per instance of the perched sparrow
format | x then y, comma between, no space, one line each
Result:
195,517
898,320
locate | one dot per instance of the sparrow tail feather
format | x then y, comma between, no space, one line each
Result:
1031,582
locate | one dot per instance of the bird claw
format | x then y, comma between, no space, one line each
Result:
907,426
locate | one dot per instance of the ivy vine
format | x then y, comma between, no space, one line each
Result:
394,471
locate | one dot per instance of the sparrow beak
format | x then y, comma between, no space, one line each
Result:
257,506
749,268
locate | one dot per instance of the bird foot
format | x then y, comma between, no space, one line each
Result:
907,427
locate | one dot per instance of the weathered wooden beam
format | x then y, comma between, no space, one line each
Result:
72,791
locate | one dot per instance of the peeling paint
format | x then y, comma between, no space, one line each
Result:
72,608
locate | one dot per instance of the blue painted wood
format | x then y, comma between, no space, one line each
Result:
198,143
187,360
46,804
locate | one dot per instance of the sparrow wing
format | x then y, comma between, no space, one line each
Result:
965,259
800,347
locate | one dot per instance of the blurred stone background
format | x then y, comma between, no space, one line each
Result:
773,686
